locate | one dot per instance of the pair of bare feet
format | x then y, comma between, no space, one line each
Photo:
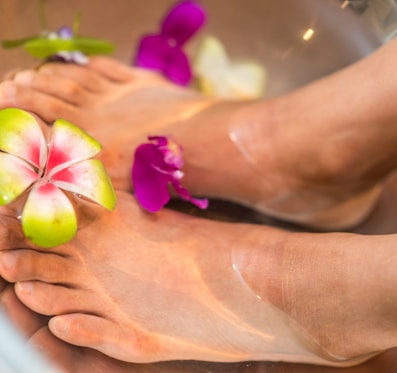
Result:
120,106
121,280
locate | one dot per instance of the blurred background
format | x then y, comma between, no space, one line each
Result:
273,32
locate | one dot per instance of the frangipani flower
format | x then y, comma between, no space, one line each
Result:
61,45
156,165
164,51
43,172
218,76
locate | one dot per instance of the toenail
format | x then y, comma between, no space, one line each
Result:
8,260
25,287
9,90
24,77
60,326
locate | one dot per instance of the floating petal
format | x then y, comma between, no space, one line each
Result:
156,53
178,68
90,179
150,183
48,217
184,194
246,80
15,177
211,55
218,76
183,21
21,135
69,144
152,53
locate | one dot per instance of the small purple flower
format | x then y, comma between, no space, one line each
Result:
78,57
156,165
65,32
163,51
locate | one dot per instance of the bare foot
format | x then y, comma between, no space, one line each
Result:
144,288
260,154
118,105
69,358
74,359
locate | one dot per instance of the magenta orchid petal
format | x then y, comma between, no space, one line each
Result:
155,53
152,53
178,68
150,184
183,21
156,166
161,141
172,152
182,192
163,51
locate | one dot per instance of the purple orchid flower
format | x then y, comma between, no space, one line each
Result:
156,165
163,51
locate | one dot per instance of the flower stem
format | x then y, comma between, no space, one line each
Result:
42,15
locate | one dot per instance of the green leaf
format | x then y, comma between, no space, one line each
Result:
44,47
8,44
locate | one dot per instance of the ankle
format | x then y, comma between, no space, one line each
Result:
341,293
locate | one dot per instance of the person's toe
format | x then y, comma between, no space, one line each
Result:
24,264
57,86
27,321
47,107
103,335
53,299
89,79
112,69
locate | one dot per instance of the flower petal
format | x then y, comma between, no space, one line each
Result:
90,179
15,177
71,57
65,32
185,195
150,183
48,217
210,66
156,54
153,52
69,144
246,80
21,135
183,21
172,152
217,76
211,57
178,68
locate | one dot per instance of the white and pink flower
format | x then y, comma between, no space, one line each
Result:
48,173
